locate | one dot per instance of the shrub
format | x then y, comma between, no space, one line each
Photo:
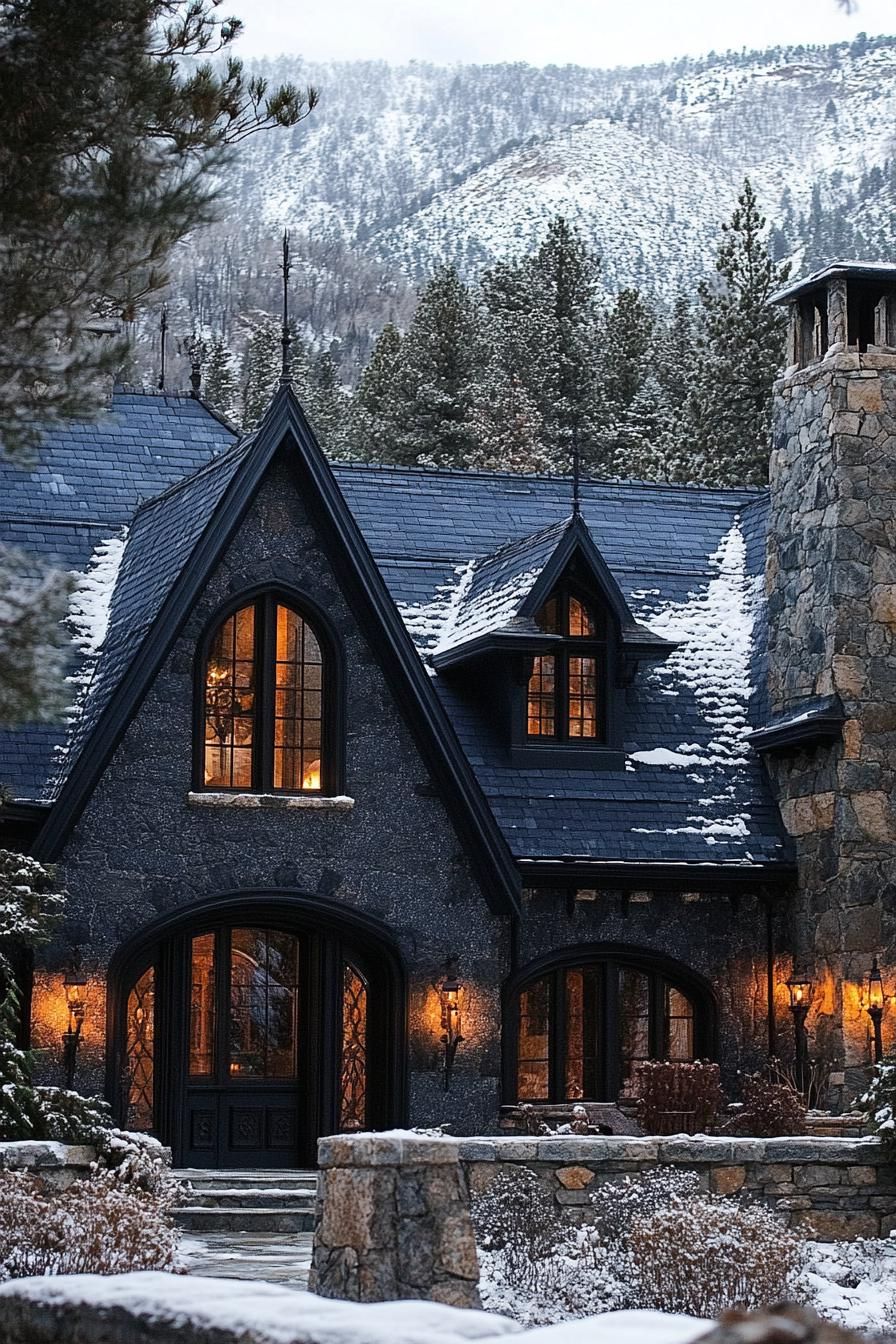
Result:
771,1109
878,1104
655,1240
705,1254
673,1096
96,1226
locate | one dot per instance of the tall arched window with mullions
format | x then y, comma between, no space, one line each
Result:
567,696
267,702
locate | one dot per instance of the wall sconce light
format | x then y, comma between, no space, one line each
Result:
449,993
875,1000
75,985
800,988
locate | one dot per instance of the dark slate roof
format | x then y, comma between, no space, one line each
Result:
89,480
160,541
710,803
689,563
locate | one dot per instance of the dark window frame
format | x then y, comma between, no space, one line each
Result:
576,646
265,601
660,971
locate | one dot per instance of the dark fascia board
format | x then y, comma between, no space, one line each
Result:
284,421
572,872
822,724
882,272
639,642
495,641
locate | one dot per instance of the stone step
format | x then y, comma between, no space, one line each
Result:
201,1218
248,1197
283,1178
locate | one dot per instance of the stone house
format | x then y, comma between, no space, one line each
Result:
395,795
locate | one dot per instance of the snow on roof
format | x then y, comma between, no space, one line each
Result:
714,628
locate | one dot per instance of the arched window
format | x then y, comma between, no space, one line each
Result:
567,694
265,702
581,1030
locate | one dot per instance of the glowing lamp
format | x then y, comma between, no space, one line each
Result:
875,1000
74,982
800,993
449,995
311,776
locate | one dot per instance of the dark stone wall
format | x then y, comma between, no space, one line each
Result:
831,578
140,851
720,936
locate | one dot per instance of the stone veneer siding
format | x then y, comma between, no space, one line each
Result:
141,850
831,579
830,1189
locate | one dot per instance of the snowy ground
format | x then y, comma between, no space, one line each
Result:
852,1284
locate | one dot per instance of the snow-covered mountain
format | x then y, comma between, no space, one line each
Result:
400,168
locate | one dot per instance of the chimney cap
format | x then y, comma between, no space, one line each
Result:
852,270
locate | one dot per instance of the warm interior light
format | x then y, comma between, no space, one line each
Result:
311,777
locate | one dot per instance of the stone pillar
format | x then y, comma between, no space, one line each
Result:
837,315
831,580
393,1221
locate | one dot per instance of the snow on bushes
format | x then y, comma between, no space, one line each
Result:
657,1240
878,1104
97,1226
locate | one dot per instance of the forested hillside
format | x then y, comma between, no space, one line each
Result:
402,170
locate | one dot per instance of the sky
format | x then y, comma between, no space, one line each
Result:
543,32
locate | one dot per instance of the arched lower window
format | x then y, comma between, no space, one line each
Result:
265,702
567,689
582,1030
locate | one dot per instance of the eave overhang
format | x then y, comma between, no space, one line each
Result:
495,642
579,871
817,724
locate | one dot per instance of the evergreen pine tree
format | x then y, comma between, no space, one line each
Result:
33,643
328,407
220,385
507,426
261,370
112,149
376,419
545,315
625,340
741,351
438,363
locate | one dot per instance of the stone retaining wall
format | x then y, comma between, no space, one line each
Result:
393,1221
59,1164
828,1188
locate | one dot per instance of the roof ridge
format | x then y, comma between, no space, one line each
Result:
205,470
337,464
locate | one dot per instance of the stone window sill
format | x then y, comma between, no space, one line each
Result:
272,801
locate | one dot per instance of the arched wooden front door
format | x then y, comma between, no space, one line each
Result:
241,1039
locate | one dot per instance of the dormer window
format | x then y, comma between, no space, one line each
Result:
566,699
265,702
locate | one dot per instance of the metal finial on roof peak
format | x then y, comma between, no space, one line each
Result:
163,338
285,338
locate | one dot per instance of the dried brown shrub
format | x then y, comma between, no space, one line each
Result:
676,1097
96,1226
705,1255
771,1109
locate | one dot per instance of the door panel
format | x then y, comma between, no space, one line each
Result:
242,1097
240,1043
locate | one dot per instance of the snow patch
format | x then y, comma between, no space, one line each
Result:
91,602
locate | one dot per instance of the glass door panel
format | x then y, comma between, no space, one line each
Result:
584,1030
353,1076
140,1052
203,1015
533,1082
264,1004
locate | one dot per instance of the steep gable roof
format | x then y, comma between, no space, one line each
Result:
88,480
204,514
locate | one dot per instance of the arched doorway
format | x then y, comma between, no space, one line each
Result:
578,1023
242,1031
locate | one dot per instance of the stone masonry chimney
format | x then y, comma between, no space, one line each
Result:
831,580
